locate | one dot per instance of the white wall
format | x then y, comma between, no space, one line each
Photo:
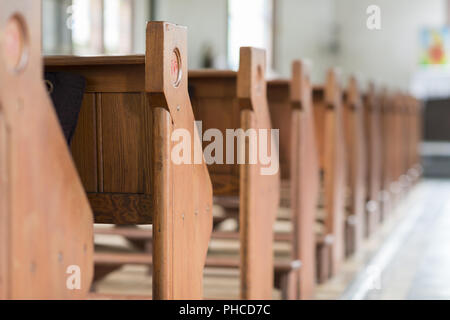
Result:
304,29
313,28
327,32
206,21
141,16
390,55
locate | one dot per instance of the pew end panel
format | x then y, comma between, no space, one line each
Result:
182,192
260,192
46,224
328,114
309,168
305,188
291,112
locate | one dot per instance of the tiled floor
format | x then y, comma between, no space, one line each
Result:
418,263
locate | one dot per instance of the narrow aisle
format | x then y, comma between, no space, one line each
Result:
419,267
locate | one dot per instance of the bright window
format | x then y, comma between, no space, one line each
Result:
91,27
249,24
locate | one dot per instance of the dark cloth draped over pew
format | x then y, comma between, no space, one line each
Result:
66,91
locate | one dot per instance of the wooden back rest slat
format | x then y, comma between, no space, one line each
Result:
214,97
46,224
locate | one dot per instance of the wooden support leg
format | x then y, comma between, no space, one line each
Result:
288,284
323,262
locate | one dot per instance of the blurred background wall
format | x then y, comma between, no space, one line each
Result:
328,32
410,52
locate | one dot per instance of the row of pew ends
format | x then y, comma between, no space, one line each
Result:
346,158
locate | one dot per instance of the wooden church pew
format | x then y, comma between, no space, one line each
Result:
373,159
328,115
237,100
45,220
122,149
231,203
290,103
355,143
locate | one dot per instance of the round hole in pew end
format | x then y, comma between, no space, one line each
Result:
176,72
14,44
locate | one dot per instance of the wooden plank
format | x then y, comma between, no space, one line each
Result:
126,139
103,258
106,78
49,216
82,61
121,208
163,246
127,232
84,144
217,111
4,208
99,135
